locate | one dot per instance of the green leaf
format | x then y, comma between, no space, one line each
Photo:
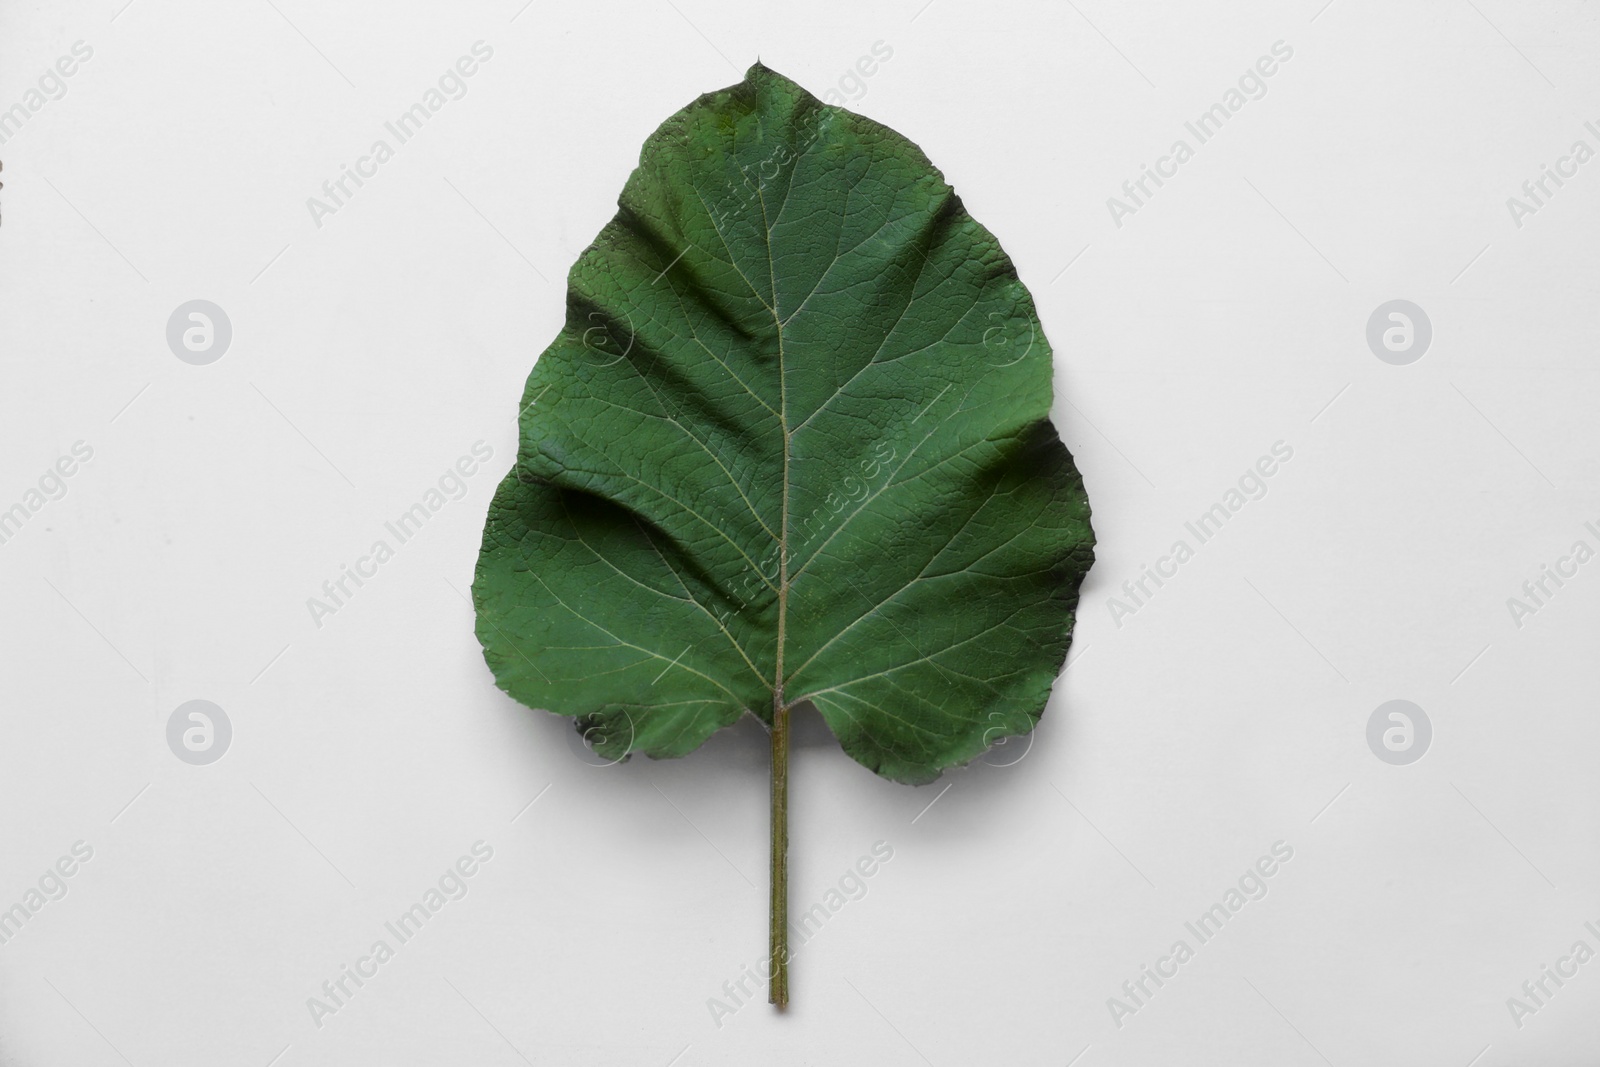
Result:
793,444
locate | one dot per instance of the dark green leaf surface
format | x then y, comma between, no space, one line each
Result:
794,438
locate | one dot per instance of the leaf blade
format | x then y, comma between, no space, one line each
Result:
799,390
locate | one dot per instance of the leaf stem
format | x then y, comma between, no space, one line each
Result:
778,940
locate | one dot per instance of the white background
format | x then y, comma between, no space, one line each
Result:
1228,713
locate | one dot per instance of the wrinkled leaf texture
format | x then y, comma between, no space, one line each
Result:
797,382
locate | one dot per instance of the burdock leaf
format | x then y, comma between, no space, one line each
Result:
793,444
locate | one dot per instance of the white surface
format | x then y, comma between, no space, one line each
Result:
1229,713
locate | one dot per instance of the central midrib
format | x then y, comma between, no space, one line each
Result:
783,526
778,705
